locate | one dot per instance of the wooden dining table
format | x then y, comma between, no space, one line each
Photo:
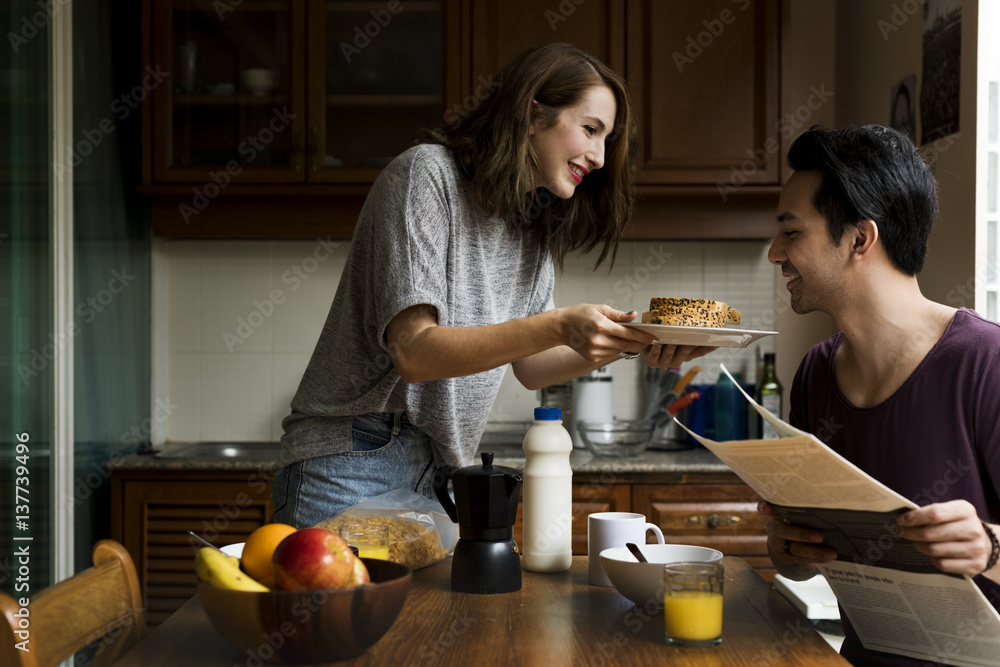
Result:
555,619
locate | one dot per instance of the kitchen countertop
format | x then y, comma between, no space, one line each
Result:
264,457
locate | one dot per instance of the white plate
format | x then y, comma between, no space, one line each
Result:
711,336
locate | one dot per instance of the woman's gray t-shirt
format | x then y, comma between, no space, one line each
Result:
421,238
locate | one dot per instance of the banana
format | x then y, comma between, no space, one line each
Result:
216,568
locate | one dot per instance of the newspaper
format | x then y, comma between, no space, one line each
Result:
895,598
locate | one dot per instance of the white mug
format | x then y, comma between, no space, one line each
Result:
614,529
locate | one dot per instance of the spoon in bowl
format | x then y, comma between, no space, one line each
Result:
635,552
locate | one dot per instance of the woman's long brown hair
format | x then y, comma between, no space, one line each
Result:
492,150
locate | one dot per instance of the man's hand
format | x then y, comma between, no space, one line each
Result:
665,357
951,534
794,550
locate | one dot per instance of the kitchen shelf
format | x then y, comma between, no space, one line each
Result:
242,99
366,7
383,100
244,6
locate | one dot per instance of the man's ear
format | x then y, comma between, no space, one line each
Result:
864,236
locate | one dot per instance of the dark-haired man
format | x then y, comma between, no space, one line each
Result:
915,384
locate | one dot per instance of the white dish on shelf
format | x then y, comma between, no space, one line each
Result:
260,80
711,336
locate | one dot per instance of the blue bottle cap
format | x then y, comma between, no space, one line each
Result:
548,414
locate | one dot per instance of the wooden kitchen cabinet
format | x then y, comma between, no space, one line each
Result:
722,516
501,29
224,157
322,91
356,92
704,78
152,510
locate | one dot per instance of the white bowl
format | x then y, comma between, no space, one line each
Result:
233,549
260,81
642,583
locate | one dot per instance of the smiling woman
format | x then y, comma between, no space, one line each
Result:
552,89
450,279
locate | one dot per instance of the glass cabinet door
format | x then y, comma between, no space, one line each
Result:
377,76
232,107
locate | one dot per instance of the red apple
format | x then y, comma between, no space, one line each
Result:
316,558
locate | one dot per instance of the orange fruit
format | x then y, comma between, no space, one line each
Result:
259,548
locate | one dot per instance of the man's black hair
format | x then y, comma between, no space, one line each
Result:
872,173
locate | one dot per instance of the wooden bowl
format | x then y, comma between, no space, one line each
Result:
309,626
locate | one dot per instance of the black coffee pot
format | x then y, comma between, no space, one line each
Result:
486,497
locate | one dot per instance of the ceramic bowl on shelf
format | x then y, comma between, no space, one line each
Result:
618,437
319,626
642,583
260,80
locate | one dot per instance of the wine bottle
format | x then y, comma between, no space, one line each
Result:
769,394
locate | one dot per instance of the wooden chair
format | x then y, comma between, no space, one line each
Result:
102,604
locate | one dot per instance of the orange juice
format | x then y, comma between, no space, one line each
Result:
693,615
373,551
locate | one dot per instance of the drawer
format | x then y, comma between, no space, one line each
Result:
719,516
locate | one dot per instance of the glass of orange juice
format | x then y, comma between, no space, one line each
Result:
372,541
692,603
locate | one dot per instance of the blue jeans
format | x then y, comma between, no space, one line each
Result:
387,453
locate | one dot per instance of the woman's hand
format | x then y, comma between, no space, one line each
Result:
794,550
951,534
594,332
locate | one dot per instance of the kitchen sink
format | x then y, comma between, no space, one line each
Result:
258,451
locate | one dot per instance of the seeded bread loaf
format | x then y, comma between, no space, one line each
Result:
690,312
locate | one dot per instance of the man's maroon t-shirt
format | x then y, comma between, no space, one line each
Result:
937,438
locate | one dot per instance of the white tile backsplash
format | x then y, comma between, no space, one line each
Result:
242,319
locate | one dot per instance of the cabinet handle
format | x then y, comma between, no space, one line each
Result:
297,148
314,147
714,520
